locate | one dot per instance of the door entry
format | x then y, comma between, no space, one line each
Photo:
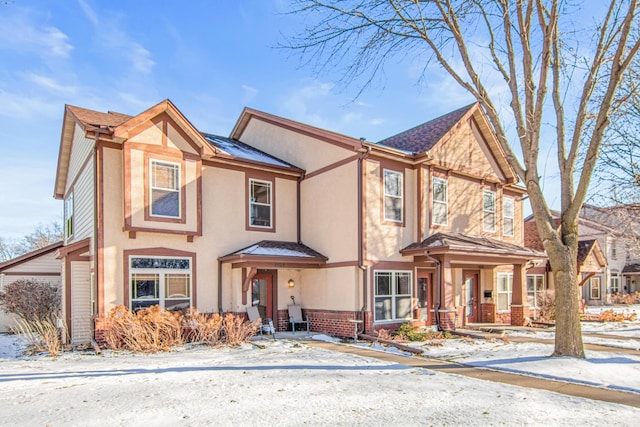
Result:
424,296
262,295
471,297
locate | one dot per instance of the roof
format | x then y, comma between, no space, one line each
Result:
30,256
272,248
631,268
467,243
423,137
586,248
240,150
97,118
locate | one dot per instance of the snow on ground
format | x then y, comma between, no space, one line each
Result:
285,382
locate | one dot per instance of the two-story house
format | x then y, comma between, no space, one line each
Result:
425,225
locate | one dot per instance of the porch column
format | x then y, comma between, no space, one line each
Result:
519,307
447,311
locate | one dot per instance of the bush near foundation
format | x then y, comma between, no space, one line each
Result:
547,308
154,329
32,300
626,299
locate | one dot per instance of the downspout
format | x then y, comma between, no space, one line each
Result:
220,287
299,208
438,288
361,265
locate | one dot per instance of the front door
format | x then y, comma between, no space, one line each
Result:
262,295
424,296
471,297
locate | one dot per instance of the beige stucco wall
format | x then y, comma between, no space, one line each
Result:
331,289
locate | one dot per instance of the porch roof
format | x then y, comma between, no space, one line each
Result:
275,254
632,268
458,243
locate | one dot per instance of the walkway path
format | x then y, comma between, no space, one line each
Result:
570,389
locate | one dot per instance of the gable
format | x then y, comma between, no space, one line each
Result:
163,131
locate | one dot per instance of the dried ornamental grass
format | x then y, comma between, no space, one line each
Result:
237,330
203,328
43,335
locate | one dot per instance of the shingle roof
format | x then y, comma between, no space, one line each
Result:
631,268
464,242
96,118
423,137
272,248
235,148
584,247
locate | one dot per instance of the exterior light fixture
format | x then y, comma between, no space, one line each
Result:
291,283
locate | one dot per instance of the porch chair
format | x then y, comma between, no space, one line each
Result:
254,318
295,317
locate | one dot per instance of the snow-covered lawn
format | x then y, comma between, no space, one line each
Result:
289,383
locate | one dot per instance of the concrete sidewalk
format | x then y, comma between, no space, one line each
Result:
571,389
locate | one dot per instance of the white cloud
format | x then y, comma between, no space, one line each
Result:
50,84
111,36
303,103
20,106
19,33
249,93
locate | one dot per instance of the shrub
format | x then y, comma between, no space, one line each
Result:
547,308
32,300
627,299
612,316
237,330
203,328
42,335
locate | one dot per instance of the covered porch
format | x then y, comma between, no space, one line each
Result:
476,280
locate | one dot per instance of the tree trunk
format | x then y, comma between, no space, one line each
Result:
563,260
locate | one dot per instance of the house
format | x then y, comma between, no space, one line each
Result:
425,225
40,265
598,264
623,225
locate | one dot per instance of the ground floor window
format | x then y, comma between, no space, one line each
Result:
392,295
615,283
505,289
594,288
160,281
535,289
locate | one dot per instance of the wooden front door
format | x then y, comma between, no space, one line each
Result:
424,296
262,295
471,297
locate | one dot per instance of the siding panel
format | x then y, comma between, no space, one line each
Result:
80,303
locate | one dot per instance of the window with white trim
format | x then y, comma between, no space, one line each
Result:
165,189
505,289
392,295
160,281
393,194
594,288
614,282
489,211
440,202
508,214
535,289
68,216
260,205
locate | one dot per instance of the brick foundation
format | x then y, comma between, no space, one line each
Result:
488,313
337,323
447,319
503,318
518,314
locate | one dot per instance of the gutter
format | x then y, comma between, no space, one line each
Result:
361,265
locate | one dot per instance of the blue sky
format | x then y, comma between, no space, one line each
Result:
210,58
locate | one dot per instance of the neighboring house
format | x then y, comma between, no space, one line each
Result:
599,265
41,265
425,225
623,252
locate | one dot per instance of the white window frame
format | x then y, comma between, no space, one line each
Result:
508,291
394,296
593,281
68,215
175,189
162,274
534,296
253,202
400,197
434,202
486,211
508,218
614,283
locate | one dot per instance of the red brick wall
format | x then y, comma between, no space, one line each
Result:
488,312
518,314
336,323
503,318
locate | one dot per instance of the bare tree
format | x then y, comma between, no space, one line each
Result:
534,46
8,249
43,235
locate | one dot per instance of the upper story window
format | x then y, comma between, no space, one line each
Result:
489,211
260,204
68,216
508,214
393,194
440,202
165,189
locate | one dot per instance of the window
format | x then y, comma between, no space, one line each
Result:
393,193
615,282
535,289
440,202
160,281
68,216
260,203
392,295
508,213
505,288
165,189
614,251
489,211
594,288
